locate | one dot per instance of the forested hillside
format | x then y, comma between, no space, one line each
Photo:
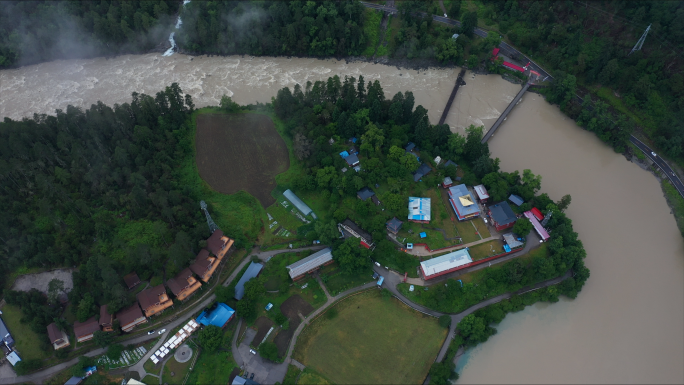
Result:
98,189
37,31
592,41
329,28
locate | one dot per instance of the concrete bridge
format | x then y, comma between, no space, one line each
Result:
503,116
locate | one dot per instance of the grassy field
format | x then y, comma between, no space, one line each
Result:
371,340
27,342
337,281
179,370
486,249
468,232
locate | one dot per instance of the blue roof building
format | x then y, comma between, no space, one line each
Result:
220,316
252,271
463,202
5,336
299,204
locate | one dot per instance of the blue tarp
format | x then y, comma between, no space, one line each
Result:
344,154
218,317
353,140
381,280
507,248
423,235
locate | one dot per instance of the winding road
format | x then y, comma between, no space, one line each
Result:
669,172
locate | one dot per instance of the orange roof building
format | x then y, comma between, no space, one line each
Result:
183,285
204,265
219,244
154,300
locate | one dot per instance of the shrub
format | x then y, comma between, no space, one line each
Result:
269,351
445,321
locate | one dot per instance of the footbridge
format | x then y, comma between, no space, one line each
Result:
459,82
503,116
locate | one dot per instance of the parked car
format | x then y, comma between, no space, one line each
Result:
150,332
252,351
377,264
246,374
485,220
162,331
252,376
375,276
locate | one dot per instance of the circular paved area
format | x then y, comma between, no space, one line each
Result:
183,353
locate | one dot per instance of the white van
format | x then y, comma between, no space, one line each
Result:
252,351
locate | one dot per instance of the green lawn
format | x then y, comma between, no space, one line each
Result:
486,249
371,340
467,231
150,367
337,281
27,342
286,219
179,370
212,368
440,218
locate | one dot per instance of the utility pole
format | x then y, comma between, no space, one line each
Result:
640,43
210,222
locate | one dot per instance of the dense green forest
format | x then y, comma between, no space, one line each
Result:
329,28
38,31
98,189
341,109
589,43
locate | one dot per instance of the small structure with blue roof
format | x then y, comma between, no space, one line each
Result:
516,199
344,154
219,316
410,147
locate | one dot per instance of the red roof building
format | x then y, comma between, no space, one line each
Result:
537,213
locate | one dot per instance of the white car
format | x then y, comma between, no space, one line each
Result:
162,331
653,153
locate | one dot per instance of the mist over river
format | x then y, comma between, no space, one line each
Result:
627,324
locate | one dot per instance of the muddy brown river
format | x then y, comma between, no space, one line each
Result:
627,325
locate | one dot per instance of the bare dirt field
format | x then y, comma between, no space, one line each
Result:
263,325
294,305
240,152
290,308
40,281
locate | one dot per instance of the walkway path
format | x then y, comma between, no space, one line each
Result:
419,250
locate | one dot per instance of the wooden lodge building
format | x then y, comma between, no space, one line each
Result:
131,280
183,285
154,300
219,244
84,331
130,318
106,319
58,338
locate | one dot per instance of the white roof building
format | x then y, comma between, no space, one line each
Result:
309,263
445,264
419,209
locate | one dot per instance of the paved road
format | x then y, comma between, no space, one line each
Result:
51,371
674,179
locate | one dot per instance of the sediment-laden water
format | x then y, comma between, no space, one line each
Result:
627,324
